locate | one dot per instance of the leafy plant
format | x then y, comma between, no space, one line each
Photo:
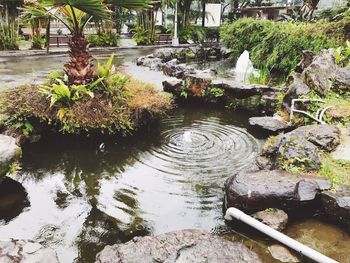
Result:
37,42
59,92
141,36
212,92
342,55
107,39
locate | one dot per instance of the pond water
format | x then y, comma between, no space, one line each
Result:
78,195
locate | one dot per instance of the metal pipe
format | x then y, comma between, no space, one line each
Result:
175,41
293,244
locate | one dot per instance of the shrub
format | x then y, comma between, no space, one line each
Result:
141,36
278,45
107,39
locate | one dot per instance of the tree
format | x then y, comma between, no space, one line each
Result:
310,5
75,14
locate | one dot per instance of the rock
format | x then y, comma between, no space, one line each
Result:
296,89
321,72
13,199
177,70
342,152
336,205
324,136
290,151
255,191
274,124
282,254
274,218
196,83
173,86
241,90
178,246
308,57
9,153
165,54
25,251
140,60
341,80
299,148
153,63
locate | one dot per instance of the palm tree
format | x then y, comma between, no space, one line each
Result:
310,6
75,14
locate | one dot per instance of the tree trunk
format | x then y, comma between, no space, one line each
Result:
80,69
310,4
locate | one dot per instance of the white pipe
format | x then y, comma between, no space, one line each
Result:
293,244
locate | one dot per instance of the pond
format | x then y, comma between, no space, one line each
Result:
78,195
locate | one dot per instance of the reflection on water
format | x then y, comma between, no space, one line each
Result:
84,196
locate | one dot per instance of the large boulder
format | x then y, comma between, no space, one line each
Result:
178,246
26,251
259,190
9,153
336,205
320,73
299,148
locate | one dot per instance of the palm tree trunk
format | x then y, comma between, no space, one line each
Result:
80,68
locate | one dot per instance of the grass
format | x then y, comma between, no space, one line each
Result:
337,171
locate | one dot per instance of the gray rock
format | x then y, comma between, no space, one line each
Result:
289,150
308,57
274,124
336,205
299,148
153,63
25,251
282,254
255,191
274,218
342,80
9,153
241,90
196,83
320,73
173,86
177,70
296,89
324,136
165,54
179,246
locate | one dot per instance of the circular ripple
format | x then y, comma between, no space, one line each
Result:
205,147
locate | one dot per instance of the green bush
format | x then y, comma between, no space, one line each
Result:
107,39
278,46
141,36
